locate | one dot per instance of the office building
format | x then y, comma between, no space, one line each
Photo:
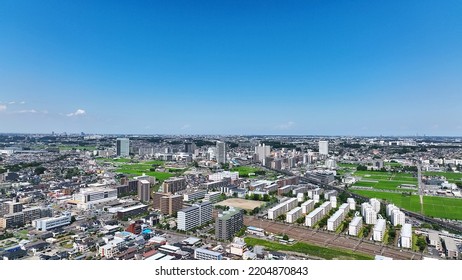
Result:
221,152
323,148
194,216
123,147
167,203
406,236
45,224
228,223
355,226
204,254
379,230
144,190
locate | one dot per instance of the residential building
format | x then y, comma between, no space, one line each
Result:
132,211
194,195
314,216
452,252
398,217
194,216
375,204
224,174
167,203
221,152
144,190
294,214
307,206
228,223
204,254
352,203
212,197
282,208
323,147
355,226
123,147
262,151
379,230
406,236
173,185
370,216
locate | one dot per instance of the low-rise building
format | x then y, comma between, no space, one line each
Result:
50,223
204,254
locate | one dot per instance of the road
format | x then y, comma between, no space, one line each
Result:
330,240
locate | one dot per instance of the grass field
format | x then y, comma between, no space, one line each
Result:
308,249
137,169
121,160
384,180
440,207
245,170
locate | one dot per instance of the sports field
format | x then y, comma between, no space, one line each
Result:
245,170
137,169
438,207
452,177
384,180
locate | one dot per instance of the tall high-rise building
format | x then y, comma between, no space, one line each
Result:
123,147
228,223
189,148
262,152
144,188
221,152
167,203
194,216
323,148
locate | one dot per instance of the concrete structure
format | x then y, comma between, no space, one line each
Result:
194,195
123,147
370,216
173,185
129,212
12,207
307,206
335,220
224,174
294,214
352,203
87,198
194,216
379,229
282,208
45,224
204,254
390,208
398,217
355,226
262,152
221,152
326,207
452,252
323,148
314,216
144,190
375,204
228,223
333,201
167,203
406,236
212,197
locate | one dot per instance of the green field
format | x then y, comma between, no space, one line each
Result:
122,160
347,165
245,170
450,176
137,169
308,249
440,207
384,180
392,164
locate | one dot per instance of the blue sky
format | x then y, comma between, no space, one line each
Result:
231,67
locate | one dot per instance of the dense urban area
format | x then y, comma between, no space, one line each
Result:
120,197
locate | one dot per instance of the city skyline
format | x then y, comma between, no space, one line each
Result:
231,68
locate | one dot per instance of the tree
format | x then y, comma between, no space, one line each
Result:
39,170
421,243
285,237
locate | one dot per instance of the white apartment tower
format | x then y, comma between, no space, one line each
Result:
323,148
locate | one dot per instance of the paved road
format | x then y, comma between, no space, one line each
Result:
326,239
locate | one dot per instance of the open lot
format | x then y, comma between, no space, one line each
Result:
241,203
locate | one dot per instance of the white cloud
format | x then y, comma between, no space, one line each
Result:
32,111
12,102
22,102
2,107
186,126
79,112
287,125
